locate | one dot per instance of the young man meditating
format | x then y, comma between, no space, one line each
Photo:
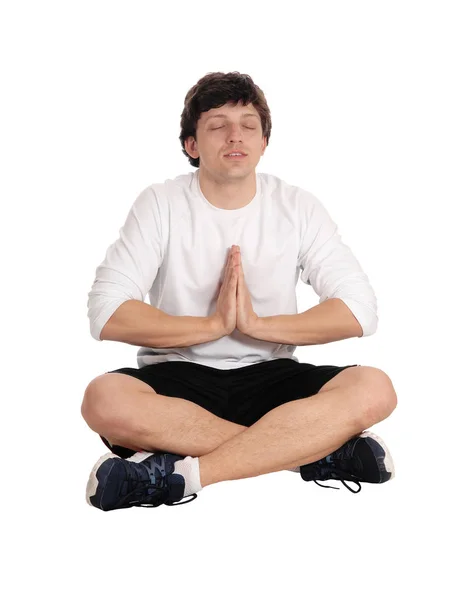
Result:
218,394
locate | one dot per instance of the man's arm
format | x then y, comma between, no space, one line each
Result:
116,307
327,322
347,303
130,266
141,324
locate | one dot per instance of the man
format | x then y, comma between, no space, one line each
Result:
218,394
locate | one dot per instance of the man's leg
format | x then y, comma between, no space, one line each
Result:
129,413
299,432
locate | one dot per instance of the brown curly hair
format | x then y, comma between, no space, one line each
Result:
214,90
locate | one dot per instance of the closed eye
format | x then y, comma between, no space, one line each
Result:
214,128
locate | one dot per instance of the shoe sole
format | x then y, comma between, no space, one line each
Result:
93,481
388,462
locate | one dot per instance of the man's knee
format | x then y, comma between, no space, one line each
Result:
96,402
379,394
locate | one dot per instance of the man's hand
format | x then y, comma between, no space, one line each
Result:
224,318
246,317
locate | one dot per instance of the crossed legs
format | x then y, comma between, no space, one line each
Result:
295,433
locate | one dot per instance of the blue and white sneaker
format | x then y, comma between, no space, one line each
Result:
364,457
144,479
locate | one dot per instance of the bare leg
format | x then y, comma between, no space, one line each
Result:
293,434
150,421
145,420
209,441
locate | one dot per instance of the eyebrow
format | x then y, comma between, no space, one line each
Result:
223,115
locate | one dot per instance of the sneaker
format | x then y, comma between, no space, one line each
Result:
145,479
363,458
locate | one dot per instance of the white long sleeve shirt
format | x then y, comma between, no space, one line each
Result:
174,244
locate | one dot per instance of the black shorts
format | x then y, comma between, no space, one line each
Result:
240,395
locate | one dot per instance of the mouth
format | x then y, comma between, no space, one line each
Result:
235,156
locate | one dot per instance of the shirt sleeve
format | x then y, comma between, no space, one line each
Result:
131,263
330,267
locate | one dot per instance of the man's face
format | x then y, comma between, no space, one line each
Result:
226,129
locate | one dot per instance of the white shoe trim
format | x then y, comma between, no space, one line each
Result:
139,456
92,483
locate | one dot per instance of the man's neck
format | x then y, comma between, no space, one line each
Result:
228,195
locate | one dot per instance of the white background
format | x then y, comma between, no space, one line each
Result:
367,102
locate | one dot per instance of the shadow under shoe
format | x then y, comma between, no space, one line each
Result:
363,458
145,479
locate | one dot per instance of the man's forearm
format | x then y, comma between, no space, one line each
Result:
329,321
140,324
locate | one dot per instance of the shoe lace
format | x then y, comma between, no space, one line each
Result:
342,476
339,465
147,488
194,496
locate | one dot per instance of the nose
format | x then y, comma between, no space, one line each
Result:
234,133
